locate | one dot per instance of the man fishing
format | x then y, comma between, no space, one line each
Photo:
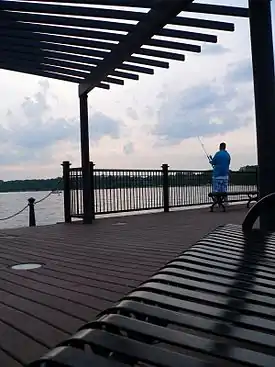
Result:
220,163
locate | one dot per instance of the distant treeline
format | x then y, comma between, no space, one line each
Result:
126,179
31,185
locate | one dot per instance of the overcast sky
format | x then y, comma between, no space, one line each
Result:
141,125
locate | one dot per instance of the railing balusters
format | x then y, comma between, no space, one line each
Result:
133,190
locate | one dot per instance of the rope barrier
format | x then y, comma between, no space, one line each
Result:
15,214
36,202
50,193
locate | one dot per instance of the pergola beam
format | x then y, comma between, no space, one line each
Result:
12,58
202,23
67,21
50,56
10,26
48,72
116,26
155,19
22,65
73,10
193,7
91,47
232,11
96,56
65,30
16,35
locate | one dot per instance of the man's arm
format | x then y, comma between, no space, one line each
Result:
214,160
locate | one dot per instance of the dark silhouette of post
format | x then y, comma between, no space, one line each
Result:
92,187
32,221
165,183
85,160
264,90
66,191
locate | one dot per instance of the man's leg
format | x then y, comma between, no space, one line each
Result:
214,190
215,184
219,190
225,189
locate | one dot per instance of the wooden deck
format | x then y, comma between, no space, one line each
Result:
86,268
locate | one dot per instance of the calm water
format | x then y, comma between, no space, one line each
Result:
50,211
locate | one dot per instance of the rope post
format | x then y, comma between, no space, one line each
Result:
32,221
66,191
92,188
165,186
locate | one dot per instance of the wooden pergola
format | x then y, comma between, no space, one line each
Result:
97,43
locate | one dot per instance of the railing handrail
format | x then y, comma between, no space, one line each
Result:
122,190
79,169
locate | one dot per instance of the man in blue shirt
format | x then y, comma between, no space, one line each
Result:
220,163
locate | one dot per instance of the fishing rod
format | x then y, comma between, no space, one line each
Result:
204,150
208,156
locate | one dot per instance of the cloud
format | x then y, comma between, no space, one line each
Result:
102,125
240,72
214,49
206,109
30,133
200,110
132,113
129,148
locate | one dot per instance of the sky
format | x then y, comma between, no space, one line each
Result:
143,124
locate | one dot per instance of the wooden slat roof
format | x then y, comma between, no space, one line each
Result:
96,43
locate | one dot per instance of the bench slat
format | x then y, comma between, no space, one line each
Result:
212,305
134,349
203,321
72,357
263,287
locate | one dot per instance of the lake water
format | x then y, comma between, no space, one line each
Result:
50,211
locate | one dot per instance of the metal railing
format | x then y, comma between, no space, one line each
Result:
127,190
117,190
190,188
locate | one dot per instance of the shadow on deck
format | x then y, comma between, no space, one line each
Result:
85,270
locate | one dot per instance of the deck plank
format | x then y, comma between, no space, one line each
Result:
85,270
7,360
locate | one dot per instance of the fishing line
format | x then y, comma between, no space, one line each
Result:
208,156
204,150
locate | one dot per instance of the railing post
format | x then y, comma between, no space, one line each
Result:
92,188
165,183
32,221
66,191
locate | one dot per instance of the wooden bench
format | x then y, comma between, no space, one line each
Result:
220,198
211,306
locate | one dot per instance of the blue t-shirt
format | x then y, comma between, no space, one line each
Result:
221,162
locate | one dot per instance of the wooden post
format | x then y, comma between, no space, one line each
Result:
85,159
32,221
92,188
165,181
66,191
264,91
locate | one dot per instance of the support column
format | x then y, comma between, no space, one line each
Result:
264,90
85,159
